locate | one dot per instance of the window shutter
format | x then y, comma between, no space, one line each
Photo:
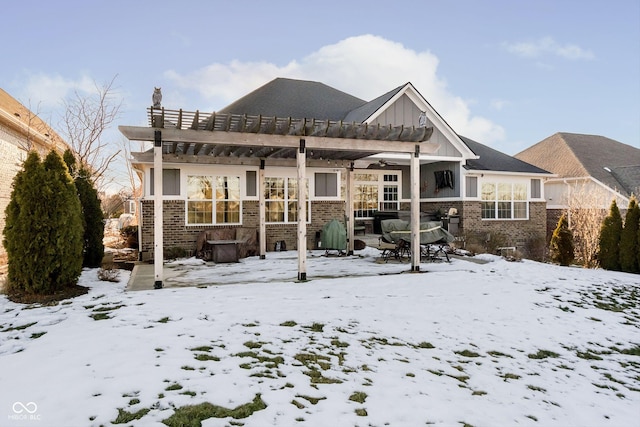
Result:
471,184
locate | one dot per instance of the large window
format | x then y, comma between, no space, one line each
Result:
375,191
504,201
281,196
213,197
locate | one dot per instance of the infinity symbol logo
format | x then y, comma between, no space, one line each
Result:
19,407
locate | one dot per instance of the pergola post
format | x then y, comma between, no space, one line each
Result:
415,210
262,216
158,252
349,214
302,211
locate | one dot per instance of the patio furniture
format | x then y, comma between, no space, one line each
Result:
396,238
333,237
227,244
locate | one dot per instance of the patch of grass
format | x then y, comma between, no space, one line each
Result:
317,377
467,353
189,393
19,328
424,344
270,362
410,374
253,344
338,343
251,324
536,388
543,354
174,386
193,415
126,417
315,327
202,348
358,396
532,417
100,316
498,354
508,376
134,401
478,393
37,335
309,359
289,323
361,412
633,351
188,368
108,308
297,404
163,320
588,355
203,357
312,400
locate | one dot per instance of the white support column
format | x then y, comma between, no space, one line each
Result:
415,210
349,215
262,207
158,252
302,211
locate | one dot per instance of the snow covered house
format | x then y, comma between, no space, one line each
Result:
21,130
242,166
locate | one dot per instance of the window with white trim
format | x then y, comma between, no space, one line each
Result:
213,199
503,200
375,191
281,198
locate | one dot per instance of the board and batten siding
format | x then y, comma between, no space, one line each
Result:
405,111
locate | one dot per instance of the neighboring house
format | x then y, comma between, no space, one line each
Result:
20,131
590,170
212,177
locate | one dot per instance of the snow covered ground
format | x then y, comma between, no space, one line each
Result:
362,343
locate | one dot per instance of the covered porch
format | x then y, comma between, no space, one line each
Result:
190,137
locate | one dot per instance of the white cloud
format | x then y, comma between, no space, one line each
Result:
364,66
548,46
499,104
49,91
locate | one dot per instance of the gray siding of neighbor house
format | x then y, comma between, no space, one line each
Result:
177,234
406,112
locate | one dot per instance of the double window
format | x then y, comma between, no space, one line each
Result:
375,192
281,197
213,199
504,201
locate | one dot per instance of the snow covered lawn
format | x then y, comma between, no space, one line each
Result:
495,344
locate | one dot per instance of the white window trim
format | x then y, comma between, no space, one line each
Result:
381,183
497,182
218,171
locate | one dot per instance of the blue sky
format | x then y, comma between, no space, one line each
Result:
505,73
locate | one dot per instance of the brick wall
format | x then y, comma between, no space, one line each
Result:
12,156
176,233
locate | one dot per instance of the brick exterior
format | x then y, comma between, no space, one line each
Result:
177,234
12,156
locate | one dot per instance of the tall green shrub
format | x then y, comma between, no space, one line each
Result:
93,247
629,246
43,231
561,248
609,239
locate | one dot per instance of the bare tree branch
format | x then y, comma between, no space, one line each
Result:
85,120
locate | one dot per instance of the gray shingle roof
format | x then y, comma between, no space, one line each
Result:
365,111
296,98
494,160
572,155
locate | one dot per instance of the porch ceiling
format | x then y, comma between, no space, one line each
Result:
241,136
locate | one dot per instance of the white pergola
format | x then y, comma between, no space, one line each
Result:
227,138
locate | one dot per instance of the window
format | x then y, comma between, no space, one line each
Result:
326,184
281,196
504,201
536,192
170,182
252,187
374,192
471,186
210,197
